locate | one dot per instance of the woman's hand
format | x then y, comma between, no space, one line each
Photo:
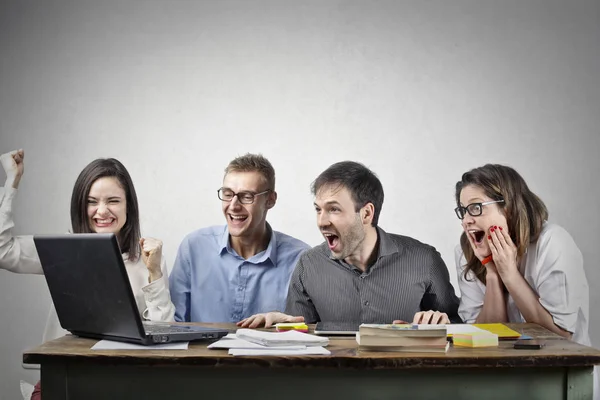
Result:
12,163
504,253
152,256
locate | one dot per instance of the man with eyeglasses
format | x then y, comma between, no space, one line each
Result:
227,273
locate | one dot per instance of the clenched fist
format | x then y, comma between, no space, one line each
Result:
12,163
152,256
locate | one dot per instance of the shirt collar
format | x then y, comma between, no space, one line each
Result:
386,245
269,253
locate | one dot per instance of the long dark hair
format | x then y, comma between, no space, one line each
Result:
525,212
129,236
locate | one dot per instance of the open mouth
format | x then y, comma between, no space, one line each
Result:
477,236
332,240
102,223
237,218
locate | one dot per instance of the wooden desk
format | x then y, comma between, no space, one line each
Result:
561,370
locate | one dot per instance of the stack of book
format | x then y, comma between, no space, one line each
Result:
402,337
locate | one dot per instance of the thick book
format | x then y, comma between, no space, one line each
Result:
407,349
386,341
403,330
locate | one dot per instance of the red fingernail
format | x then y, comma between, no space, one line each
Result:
489,237
495,227
492,230
500,228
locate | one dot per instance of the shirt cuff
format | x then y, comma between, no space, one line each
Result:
152,291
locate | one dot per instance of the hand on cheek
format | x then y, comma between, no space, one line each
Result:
503,250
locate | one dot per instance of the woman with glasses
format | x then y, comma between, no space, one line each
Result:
513,265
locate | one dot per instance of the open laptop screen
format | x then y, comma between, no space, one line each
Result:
89,285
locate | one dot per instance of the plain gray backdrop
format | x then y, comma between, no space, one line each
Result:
419,91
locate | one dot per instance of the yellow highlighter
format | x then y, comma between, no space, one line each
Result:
291,326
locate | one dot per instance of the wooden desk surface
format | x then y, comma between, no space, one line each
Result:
558,352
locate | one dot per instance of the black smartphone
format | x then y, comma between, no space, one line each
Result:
529,344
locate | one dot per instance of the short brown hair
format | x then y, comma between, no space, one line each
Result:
129,236
362,183
253,163
525,212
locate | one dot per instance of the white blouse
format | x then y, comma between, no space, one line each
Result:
18,254
553,267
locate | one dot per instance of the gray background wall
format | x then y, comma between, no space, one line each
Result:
418,91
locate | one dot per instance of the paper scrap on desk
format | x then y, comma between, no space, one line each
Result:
112,345
229,336
316,350
234,343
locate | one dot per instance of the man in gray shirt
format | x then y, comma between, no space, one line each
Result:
362,274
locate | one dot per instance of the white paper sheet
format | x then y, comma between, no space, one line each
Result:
234,343
270,351
112,345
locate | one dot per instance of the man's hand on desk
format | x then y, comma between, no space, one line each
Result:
267,320
427,317
431,317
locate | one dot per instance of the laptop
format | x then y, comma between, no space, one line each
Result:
92,295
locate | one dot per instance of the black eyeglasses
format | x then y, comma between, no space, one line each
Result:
243,197
474,209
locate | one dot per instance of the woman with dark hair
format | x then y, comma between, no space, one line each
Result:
513,265
103,201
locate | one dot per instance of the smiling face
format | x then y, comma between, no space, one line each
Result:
106,206
477,228
339,222
247,220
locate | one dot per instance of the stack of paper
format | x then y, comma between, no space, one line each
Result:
274,339
248,342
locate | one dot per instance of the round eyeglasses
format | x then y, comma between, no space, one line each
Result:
474,209
244,197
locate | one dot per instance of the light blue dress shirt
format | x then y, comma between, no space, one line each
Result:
210,282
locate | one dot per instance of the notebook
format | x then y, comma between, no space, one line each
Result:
92,295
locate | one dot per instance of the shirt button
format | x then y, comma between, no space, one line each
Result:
362,277
366,303
240,288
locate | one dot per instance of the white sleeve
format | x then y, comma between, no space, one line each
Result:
159,306
560,279
471,291
17,253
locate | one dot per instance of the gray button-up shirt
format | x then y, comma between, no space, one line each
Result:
407,277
